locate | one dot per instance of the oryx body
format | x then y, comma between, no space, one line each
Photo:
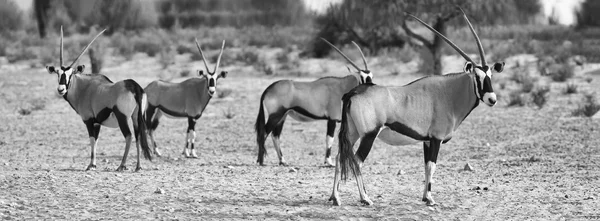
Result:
186,99
427,110
304,101
100,102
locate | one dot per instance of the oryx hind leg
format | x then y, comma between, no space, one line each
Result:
136,132
152,119
329,141
93,132
275,136
430,149
366,144
123,121
351,136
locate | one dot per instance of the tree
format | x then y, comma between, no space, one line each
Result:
41,8
588,15
376,24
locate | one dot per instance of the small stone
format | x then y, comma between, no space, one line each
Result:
589,198
476,188
400,172
487,144
105,161
159,191
228,167
566,196
5,163
311,153
485,188
293,170
468,167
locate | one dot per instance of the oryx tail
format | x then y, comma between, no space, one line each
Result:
346,154
140,99
261,131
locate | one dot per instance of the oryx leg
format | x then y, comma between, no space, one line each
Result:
352,137
124,126
136,132
430,150
275,136
361,154
152,117
329,142
191,136
93,132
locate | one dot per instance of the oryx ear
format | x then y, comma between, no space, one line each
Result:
200,73
223,74
79,69
499,67
468,67
50,69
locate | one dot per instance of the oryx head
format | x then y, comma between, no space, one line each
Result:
212,77
365,75
482,73
64,73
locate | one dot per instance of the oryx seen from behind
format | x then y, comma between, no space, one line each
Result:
100,102
305,101
427,110
186,99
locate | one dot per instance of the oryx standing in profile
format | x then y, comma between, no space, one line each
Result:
100,102
427,110
305,101
186,99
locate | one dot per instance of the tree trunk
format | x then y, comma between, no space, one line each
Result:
41,13
96,61
436,47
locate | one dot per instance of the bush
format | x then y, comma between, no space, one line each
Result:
515,99
118,15
223,93
571,88
166,57
589,108
149,47
527,84
540,96
12,16
247,57
563,73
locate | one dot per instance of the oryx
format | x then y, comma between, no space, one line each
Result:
100,102
305,101
186,99
427,110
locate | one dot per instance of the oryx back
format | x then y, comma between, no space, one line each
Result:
184,99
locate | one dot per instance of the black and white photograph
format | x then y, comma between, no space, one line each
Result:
300,110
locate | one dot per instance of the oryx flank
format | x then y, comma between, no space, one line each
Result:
186,99
305,101
100,102
427,110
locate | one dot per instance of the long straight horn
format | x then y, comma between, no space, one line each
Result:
85,49
343,55
481,53
219,59
61,46
361,54
202,53
461,52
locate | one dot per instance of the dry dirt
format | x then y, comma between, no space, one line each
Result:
529,163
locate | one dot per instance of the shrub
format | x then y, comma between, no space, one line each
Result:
182,49
515,99
571,88
540,96
527,84
563,73
184,73
229,114
12,16
247,57
151,48
166,57
589,108
223,93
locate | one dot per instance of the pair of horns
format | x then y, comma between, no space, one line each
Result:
461,52
346,57
82,51
204,58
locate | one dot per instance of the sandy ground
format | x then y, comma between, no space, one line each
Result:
539,164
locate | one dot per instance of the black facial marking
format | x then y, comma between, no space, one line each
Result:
366,144
406,131
211,82
62,79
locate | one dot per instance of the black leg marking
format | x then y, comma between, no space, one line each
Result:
426,152
330,127
150,117
122,119
274,120
191,124
365,145
328,153
435,148
429,187
278,128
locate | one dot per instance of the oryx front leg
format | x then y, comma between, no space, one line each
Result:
93,132
361,155
190,139
430,150
275,136
329,142
124,126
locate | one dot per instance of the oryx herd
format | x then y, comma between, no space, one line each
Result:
426,110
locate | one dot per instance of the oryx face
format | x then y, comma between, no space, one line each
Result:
483,81
212,80
64,76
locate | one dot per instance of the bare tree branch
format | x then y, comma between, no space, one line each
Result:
416,36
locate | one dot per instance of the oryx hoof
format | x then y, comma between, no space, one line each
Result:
193,154
366,202
282,164
335,200
328,163
429,202
157,153
121,168
91,167
138,168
